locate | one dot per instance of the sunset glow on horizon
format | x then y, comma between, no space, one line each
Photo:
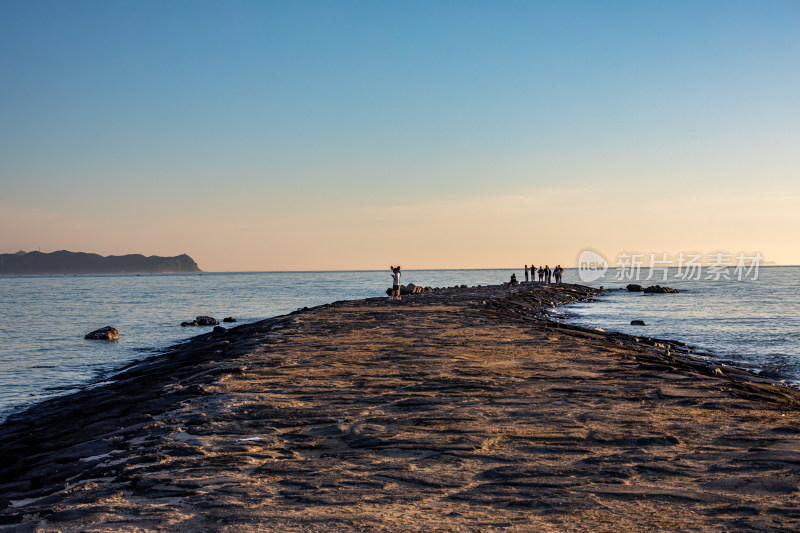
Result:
307,135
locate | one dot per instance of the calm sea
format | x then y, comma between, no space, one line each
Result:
751,323
43,353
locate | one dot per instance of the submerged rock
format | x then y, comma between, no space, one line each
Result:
229,319
105,334
633,287
638,323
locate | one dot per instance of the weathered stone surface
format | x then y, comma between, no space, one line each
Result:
106,334
456,409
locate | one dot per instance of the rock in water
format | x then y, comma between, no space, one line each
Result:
202,321
637,323
105,334
633,287
229,319
658,289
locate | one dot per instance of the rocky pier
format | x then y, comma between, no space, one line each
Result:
450,410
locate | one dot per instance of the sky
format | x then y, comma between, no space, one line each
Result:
354,135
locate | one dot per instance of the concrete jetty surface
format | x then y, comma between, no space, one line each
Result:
451,410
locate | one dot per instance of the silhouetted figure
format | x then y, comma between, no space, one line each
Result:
395,282
526,273
541,274
548,274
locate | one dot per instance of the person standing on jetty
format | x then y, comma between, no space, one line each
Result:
547,274
541,274
557,273
526,273
395,282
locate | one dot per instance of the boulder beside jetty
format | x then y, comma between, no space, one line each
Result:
106,334
457,409
409,289
658,289
652,289
202,321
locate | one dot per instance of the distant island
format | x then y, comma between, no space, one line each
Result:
64,262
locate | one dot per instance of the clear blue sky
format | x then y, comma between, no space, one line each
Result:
147,119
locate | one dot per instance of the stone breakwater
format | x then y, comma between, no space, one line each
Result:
457,409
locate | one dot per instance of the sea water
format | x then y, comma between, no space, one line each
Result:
752,323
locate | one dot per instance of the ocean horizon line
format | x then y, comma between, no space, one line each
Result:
202,272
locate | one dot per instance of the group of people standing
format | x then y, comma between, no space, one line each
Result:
546,275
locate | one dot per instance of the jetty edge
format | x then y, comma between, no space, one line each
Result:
455,409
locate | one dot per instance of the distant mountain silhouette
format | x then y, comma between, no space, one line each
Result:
65,262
